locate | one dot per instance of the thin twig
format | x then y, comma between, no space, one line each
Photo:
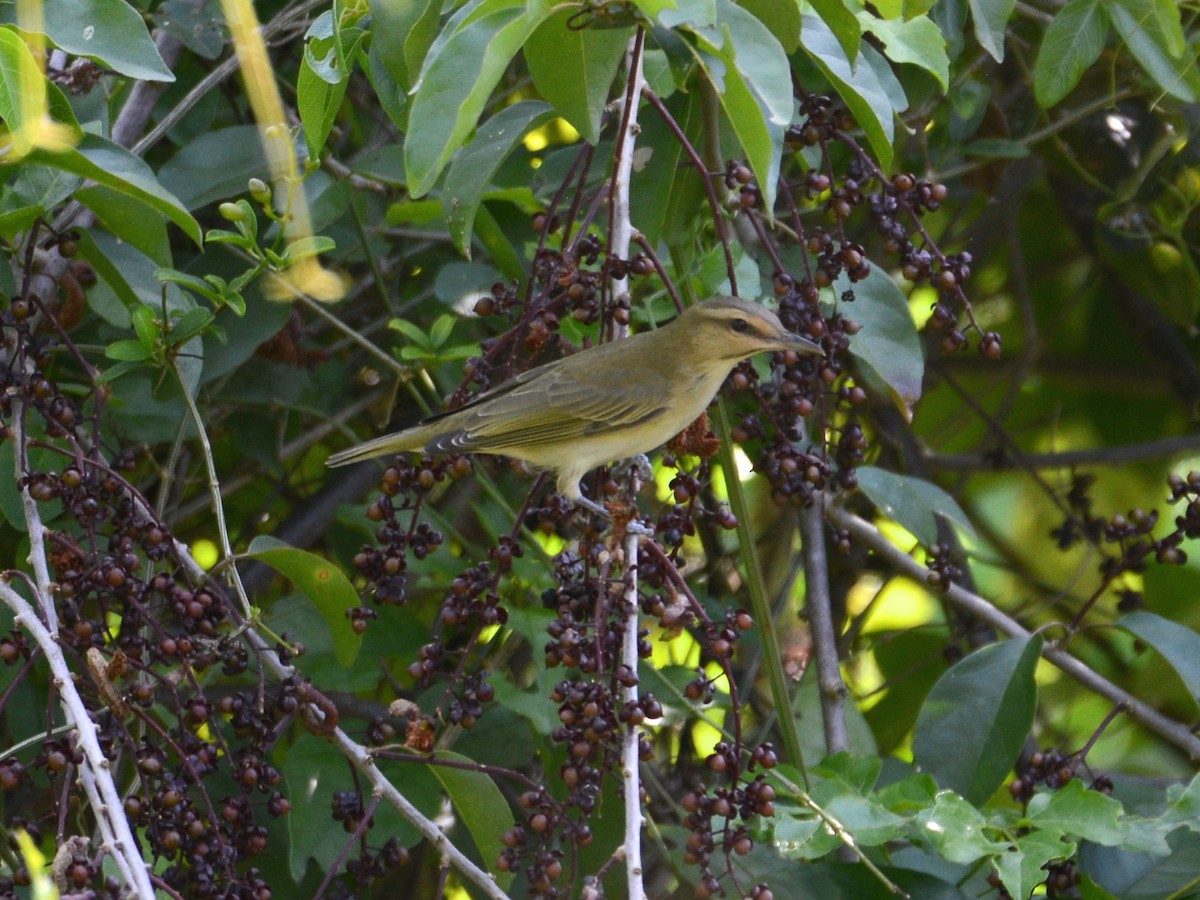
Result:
95,773
1174,732
820,619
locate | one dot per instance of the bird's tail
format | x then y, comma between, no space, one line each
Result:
380,446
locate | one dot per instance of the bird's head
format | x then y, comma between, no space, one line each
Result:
730,328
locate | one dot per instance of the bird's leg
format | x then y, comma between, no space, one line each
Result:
592,505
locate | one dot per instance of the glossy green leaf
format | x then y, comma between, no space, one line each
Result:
868,820
1184,804
867,86
113,166
1072,42
917,42
14,221
977,718
911,502
1178,644
498,245
1022,867
472,170
1079,812
110,31
888,342
195,26
215,166
401,33
957,830
689,13
480,805
574,69
1152,31
750,72
841,22
322,582
318,102
127,351
803,836
782,18
990,18
464,64
129,219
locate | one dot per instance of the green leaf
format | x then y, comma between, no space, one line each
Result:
200,286
109,31
215,166
193,25
146,326
918,42
302,248
13,222
323,583
472,170
1184,806
841,22
750,72
955,829
574,69
410,330
1021,869
109,164
464,64
128,351
866,819
977,717
498,245
1076,811
1072,42
991,21
1178,644
480,804
129,219
401,33
318,103
803,836
888,343
1152,31
441,330
867,85
912,502
190,324
782,18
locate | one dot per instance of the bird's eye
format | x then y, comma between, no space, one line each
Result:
739,325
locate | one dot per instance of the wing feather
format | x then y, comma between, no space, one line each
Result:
555,405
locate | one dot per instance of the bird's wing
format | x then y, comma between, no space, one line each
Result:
552,404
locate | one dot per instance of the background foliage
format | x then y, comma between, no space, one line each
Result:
924,623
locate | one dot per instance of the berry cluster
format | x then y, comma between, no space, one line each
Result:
1052,768
385,565
1132,533
713,815
895,207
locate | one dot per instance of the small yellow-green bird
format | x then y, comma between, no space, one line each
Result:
606,403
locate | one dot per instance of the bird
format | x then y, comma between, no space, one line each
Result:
609,402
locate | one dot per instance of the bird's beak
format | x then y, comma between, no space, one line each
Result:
797,344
